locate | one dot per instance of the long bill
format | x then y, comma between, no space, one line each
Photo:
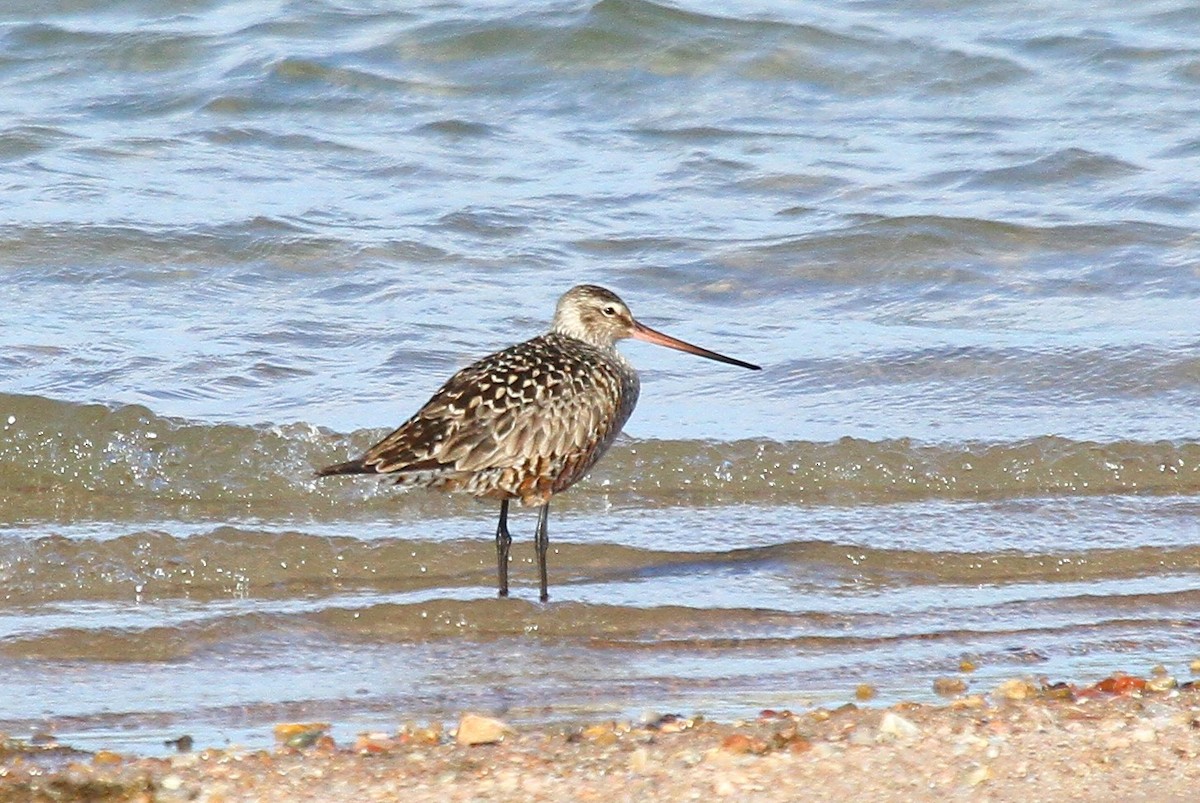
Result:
645,333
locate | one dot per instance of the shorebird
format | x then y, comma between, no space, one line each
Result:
527,422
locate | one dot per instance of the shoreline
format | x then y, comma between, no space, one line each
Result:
1124,738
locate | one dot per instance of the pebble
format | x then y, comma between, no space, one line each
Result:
286,730
107,757
1016,689
1161,682
897,727
674,724
183,744
1144,734
300,735
741,743
972,740
374,743
979,775
861,736
476,729
948,687
603,735
411,733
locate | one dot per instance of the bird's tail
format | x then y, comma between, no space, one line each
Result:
352,467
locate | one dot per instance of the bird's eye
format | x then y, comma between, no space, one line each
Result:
610,310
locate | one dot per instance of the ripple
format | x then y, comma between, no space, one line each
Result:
1068,166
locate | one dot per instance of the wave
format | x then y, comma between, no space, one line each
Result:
229,563
64,460
107,636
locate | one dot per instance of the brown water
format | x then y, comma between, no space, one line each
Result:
243,239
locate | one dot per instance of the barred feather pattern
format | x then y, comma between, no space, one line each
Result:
524,423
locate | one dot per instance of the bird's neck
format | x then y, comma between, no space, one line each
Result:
576,331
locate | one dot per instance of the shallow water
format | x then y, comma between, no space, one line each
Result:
243,240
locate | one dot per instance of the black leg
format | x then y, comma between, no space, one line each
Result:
503,542
541,543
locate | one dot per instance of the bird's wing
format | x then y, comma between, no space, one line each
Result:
506,411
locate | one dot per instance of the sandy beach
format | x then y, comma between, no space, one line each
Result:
1123,739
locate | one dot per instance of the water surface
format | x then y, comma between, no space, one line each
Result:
241,240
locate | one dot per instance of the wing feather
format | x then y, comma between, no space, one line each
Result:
544,408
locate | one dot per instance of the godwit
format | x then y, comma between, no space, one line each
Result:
529,421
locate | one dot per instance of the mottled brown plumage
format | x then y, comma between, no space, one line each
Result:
527,422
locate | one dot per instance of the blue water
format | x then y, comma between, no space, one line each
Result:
961,238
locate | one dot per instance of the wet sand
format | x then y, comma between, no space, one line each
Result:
1125,739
